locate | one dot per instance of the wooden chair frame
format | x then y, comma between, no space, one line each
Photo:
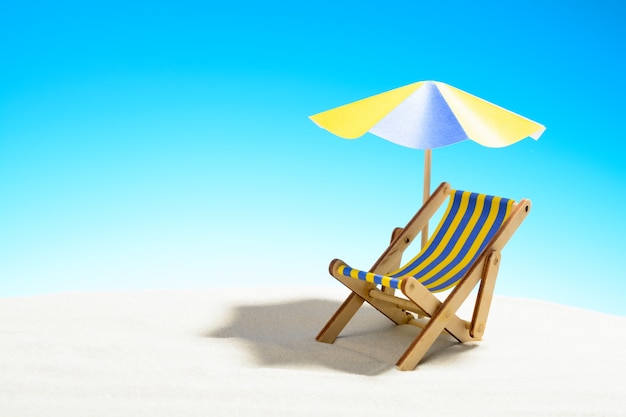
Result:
442,315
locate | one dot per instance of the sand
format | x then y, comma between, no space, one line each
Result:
250,352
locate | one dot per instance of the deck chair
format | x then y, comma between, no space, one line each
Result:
463,251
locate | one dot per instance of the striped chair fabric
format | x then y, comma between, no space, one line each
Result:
469,223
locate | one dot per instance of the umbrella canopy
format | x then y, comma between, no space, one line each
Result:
427,115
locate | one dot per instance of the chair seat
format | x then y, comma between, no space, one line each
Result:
469,223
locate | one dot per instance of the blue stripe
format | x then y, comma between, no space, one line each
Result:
456,204
377,279
468,243
500,217
453,240
497,223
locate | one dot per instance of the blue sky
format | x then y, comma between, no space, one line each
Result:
157,145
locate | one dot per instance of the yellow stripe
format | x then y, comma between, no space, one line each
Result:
463,204
353,120
446,238
488,224
480,201
493,212
428,244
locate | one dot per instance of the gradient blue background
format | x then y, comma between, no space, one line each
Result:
156,145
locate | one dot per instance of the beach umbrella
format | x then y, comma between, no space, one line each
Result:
427,115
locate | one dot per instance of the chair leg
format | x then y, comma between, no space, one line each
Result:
339,320
425,300
485,295
441,320
414,354
360,293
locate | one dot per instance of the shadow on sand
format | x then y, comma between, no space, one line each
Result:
283,335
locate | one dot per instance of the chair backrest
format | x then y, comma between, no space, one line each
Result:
470,221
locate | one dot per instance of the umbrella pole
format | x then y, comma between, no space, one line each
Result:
427,167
